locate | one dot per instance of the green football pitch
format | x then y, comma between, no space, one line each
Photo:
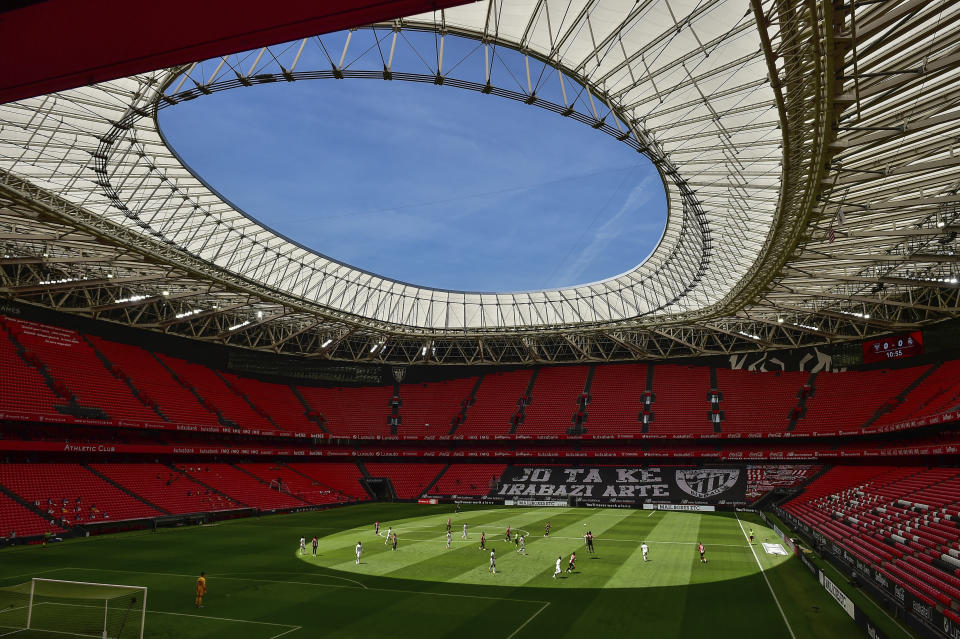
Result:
260,587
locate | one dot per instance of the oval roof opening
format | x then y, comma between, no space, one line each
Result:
434,186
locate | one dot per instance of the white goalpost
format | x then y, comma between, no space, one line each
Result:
56,607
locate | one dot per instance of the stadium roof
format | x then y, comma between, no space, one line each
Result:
806,151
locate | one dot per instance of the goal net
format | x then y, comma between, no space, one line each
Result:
54,608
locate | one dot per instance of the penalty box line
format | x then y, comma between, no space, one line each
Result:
290,627
307,583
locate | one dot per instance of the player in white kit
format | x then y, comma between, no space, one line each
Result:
449,538
303,545
464,535
493,561
556,570
389,535
359,552
644,548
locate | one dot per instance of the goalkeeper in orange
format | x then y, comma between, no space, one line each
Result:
201,589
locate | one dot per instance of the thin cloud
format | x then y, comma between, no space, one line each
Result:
609,231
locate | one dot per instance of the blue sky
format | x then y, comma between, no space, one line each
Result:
435,186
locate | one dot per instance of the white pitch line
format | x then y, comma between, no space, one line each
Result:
307,583
287,632
539,610
764,574
213,576
184,614
30,574
12,633
275,572
652,512
262,623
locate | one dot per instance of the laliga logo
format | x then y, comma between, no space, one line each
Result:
707,482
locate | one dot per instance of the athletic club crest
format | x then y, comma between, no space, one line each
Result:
399,372
707,482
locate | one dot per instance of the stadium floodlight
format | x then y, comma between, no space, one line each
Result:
855,314
239,326
75,608
326,343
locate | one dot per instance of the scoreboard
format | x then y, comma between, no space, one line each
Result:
893,347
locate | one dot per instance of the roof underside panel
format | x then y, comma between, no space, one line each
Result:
818,206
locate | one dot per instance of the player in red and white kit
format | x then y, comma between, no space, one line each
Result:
702,552
573,562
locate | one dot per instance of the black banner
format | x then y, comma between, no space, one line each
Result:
625,484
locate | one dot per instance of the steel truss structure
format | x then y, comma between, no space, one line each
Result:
807,151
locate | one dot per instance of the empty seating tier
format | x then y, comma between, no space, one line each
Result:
217,395
497,401
409,481
47,370
468,480
428,409
21,522
242,487
351,411
554,400
291,482
343,477
904,520
166,488
616,399
72,493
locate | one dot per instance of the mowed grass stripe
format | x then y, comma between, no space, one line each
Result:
419,614
668,563
438,563
427,546
538,564
276,586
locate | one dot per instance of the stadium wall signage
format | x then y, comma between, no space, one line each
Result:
626,484
919,422
841,598
437,453
548,503
680,507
